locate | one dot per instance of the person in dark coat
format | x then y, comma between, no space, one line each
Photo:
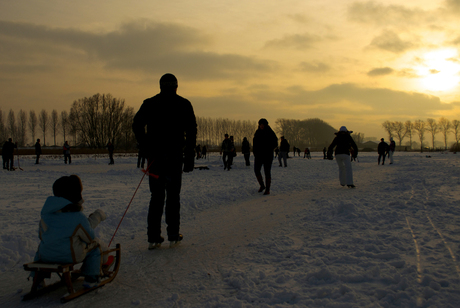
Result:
38,151
284,150
110,148
171,124
342,144
391,150
263,145
66,150
8,154
245,150
226,151
203,151
382,149
198,151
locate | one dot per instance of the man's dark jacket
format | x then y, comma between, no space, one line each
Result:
264,142
382,148
171,126
284,146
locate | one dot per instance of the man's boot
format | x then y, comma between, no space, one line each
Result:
267,189
261,183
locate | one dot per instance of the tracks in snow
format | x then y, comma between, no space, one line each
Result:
428,235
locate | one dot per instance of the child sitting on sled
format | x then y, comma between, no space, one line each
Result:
66,234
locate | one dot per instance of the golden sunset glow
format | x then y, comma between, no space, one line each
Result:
239,59
440,70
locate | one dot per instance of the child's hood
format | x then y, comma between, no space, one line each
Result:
54,204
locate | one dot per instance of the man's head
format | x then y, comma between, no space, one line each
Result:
168,83
382,139
226,136
38,140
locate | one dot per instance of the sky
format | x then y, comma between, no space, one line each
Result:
351,63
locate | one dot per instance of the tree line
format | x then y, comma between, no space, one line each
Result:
94,121
91,122
419,128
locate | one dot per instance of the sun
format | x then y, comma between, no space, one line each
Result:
439,70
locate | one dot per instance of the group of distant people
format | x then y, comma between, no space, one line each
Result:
171,124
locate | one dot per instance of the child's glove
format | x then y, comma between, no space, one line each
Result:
100,213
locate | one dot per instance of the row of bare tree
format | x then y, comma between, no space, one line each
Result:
92,122
419,128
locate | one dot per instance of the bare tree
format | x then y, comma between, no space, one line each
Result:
32,124
97,119
433,128
400,131
11,125
64,124
22,128
420,128
358,138
2,128
43,123
409,128
456,131
54,124
388,126
445,127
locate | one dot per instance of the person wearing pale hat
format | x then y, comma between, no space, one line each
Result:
391,150
342,144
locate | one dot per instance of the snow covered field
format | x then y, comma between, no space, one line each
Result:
391,242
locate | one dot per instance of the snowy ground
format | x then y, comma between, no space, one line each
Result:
391,242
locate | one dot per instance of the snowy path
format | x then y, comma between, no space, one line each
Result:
393,241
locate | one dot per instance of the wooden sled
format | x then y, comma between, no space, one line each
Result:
202,167
68,275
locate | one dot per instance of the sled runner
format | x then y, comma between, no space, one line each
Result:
203,167
68,274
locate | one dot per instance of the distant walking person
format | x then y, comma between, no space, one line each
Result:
392,149
284,149
110,148
264,142
66,150
226,151
342,144
203,151
245,150
38,151
8,154
382,149
171,124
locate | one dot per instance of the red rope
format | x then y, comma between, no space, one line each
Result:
145,173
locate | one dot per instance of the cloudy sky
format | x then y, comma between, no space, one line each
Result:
347,62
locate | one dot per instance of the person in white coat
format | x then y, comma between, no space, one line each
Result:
342,144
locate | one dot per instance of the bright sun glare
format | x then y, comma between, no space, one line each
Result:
439,72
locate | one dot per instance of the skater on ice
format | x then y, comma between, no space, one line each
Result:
38,151
171,124
342,144
265,141
284,150
226,151
246,151
382,150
